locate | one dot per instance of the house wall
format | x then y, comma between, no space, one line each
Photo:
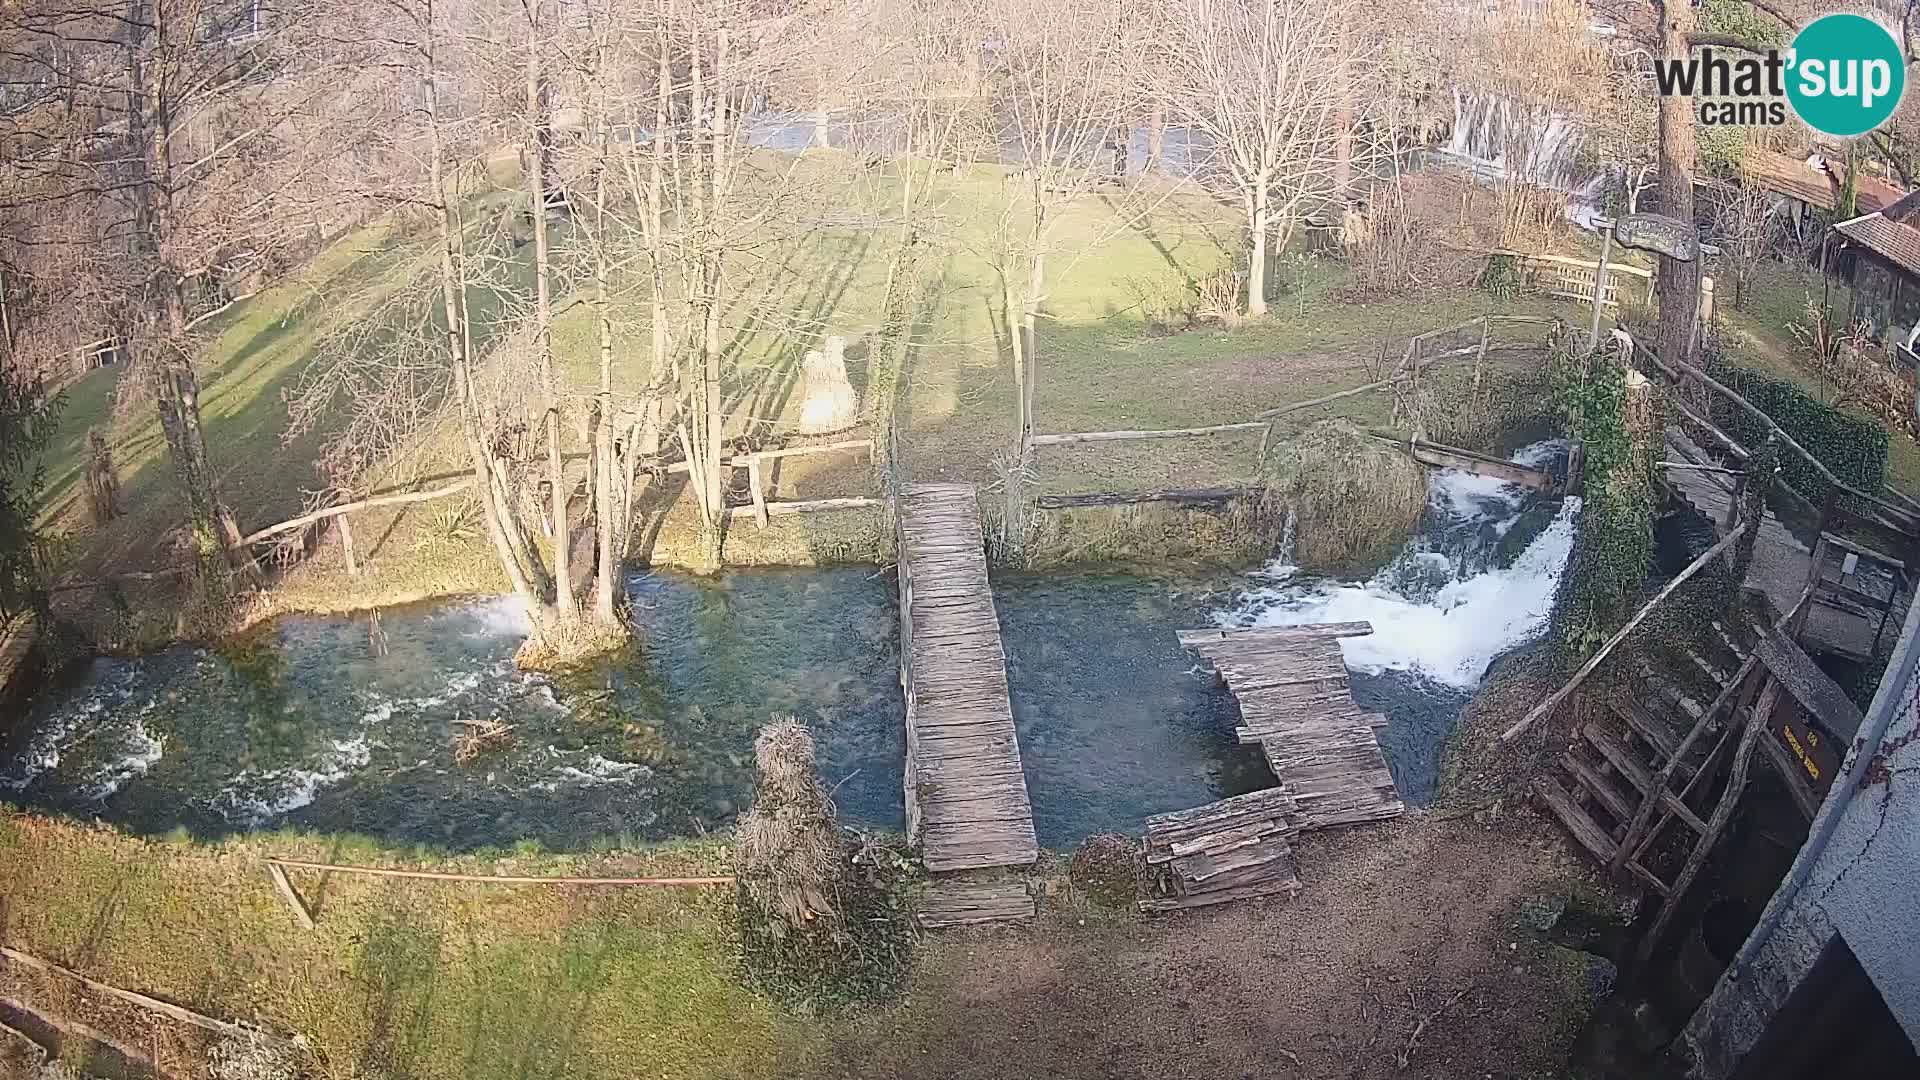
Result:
1864,885
1885,296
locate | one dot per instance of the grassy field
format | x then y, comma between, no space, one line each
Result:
1100,365
406,978
427,980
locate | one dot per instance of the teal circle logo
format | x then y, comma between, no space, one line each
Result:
1845,75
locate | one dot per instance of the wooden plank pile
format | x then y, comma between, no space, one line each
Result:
1228,850
1291,683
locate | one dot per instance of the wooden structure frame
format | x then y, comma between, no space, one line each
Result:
1775,688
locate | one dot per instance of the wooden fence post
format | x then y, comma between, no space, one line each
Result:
287,893
759,496
346,547
1480,359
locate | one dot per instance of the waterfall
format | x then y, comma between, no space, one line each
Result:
1475,581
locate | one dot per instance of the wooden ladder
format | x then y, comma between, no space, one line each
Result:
1616,789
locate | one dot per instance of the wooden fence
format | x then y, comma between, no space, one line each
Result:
1474,338
1558,275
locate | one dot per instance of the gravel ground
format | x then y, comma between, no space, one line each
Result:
1398,925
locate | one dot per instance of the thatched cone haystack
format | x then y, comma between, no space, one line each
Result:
789,847
1355,499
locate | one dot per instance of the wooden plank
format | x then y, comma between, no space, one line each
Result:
1653,730
1125,436
963,902
1220,494
1280,883
1808,685
1584,828
1275,633
301,913
1599,787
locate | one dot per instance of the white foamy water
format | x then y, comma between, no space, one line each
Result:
595,771
255,796
1442,614
93,748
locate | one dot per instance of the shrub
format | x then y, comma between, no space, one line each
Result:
1503,276
1854,447
1355,499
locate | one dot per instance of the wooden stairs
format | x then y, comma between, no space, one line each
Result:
1651,761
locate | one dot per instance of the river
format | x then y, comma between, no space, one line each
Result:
326,724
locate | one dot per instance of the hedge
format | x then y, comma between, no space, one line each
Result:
1854,447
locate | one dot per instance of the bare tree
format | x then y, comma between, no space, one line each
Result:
1745,226
178,144
1062,78
1264,83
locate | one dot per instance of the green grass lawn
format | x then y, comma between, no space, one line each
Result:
411,978
1099,365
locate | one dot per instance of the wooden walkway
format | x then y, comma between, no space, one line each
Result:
966,793
1781,562
1291,682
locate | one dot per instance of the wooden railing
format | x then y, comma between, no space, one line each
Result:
1473,338
1558,275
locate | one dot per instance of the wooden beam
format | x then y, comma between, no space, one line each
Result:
803,506
1125,436
1276,633
152,1004
362,504
759,494
1452,457
1123,498
287,893
346,546
494,879
1620,635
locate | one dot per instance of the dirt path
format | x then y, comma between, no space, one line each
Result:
1397,924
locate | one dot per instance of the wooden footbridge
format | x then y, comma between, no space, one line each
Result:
1291,683
966,793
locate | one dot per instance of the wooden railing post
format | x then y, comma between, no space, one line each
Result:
759,494
346,547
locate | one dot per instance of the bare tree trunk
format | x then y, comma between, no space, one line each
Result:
543,316
606,522
1678,282
1156,138
1257,257
452,297
150,130
1016,343
1029,333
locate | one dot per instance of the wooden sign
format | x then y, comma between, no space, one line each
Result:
1669,236
1809,748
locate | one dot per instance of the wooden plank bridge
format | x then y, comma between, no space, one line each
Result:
1291,683
966,794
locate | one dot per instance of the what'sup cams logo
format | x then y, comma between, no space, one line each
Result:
1843,76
